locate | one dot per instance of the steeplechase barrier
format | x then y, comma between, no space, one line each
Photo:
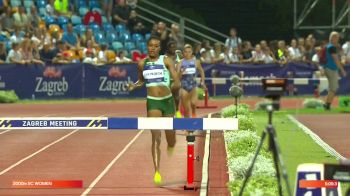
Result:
126,123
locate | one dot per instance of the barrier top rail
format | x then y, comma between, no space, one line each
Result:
124,123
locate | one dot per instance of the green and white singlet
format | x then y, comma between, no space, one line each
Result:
156,73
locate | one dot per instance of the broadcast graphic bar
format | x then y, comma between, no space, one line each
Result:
125,123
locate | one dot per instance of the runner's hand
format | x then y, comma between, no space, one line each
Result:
131,86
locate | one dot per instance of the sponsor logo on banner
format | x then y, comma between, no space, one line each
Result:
52,83
116,82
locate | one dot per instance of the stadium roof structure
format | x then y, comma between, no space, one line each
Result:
339,9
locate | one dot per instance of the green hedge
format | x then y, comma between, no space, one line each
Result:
313,103
241,146
8,97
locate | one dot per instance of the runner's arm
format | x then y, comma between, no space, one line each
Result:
169,63
140,82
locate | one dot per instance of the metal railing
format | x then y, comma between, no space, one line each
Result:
191,30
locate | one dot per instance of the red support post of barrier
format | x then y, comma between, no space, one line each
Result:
206,100
190,185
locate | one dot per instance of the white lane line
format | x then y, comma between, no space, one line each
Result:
98,178
8,130
37,152
317,139
205,168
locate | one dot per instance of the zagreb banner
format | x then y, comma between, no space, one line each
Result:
111,81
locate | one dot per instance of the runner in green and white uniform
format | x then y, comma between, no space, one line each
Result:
153,71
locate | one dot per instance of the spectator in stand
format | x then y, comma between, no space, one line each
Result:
29,55
59,48
263,45
107,6
135,25
35,53
34,17
46,53
120,13
88,37
4,33
164,36
89,56
3,53
15,55
92,16
246,52
38,37
308,53
89,46
317,55
258,56
196,52
301,45
121,58
21,19
269,56
62,8
16,37
346,50
205,56
176,36
294,51
233,41
3,5
154,29
50,10
282,52
7,20
70,38
232,57
219,56
209,52
131,3
102,56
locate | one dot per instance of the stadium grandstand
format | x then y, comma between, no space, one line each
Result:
100,32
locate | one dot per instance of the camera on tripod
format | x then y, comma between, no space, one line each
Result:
274,88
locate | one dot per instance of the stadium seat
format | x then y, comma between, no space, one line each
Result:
15,3
117,46
79,29
28,3
76,20
130,46
125,37
137,37
82,3
104,20
83,11
94,4
50,20
120,28
108,27
142,46
42,12
62,20
3,38
147,36
64,27
111,36
41,4
95,27
99,37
